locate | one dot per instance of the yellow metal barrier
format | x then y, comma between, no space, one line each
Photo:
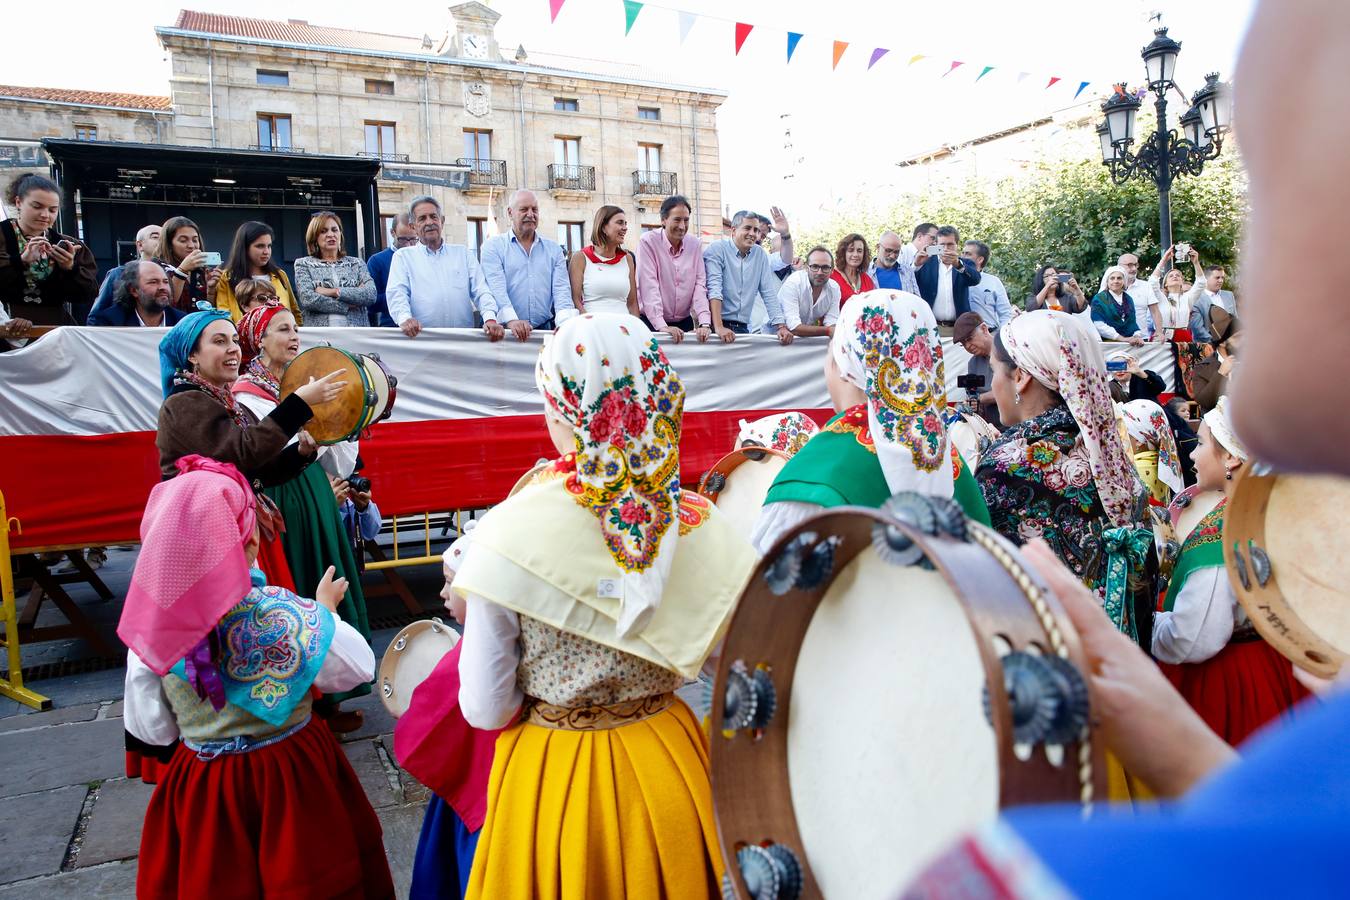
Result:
12,685
427,557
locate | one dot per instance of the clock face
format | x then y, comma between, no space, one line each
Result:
475,47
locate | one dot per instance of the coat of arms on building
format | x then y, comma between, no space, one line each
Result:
476,100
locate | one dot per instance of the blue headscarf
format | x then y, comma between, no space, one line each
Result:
180,341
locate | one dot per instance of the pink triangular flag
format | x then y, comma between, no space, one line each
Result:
955,65
555,7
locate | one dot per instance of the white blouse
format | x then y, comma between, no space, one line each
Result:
146,712
489,655
777,519
1174,310
338,460
1201,621
605,288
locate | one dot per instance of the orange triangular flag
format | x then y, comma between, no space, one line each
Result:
839,48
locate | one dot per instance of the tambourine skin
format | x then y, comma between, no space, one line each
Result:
710,486
1003,600
1277,571
420,645
340,419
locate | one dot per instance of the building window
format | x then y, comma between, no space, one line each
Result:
380,139
86,132
649,112
272,77
274,132
649,160
570,235
477,144
566,150
477,234
375,86
565,104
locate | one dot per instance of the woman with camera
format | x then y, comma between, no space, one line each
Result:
194,274
42,272
1052,289
315,535
334,289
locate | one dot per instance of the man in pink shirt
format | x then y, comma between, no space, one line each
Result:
670,276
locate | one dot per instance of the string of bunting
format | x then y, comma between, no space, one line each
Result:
742,30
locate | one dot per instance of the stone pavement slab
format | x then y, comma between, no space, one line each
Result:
35,831
402,825
114,880
378,721
84,712
47,758
114,830
365,759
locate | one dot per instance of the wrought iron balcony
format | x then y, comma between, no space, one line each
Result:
571,178
484,172
384,157
654,184
276,148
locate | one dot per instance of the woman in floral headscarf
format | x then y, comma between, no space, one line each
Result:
785,432
1153,448
886,379
592,594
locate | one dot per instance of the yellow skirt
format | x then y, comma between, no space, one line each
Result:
619,812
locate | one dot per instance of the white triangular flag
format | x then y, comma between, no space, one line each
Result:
687,20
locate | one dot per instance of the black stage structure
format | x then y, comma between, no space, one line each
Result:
112,189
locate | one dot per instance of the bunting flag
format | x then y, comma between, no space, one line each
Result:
983,72
687,20
793,38
1080,89
955,65
742,32
839,48
1022,76
877,54
631,8
555,7
915,58
1053,80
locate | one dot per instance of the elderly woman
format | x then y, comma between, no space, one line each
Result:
886,379
1113,310
42,271
599,785
1212,653
334,288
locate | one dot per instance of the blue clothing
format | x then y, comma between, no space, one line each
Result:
105,293
116,314
378,267
532,286
989,298
888,279
176,346
737,279
964,277
369,520
444,855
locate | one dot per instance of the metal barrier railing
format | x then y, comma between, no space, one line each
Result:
11,685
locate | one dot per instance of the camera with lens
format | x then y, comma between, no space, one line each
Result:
359,484
973,385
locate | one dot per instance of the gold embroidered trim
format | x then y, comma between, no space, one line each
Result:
595,718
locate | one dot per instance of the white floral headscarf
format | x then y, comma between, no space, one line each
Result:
886,342
1148,428
606,377
786,432
1063,353
1220,422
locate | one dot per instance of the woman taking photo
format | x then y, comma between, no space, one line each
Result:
1172,306
251,257
42,272
315,538
599,785
604,275
190,278
850,272
1049,291
334,289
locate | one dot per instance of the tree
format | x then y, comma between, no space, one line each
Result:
1067,214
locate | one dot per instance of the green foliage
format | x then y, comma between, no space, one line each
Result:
1067,214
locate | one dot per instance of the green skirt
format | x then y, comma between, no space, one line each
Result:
314,540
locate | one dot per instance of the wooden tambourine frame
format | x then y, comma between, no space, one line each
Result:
1002,596
395,700
709,485
1255,578
342,418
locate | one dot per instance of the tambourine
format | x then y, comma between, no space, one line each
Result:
1189,507
412,655
739,482
940,682
1285,545
970,435
367,398
1165,541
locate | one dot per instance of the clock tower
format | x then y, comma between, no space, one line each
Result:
472,36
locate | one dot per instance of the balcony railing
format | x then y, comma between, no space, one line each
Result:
384,157
571,178
654,184
276,148
484,172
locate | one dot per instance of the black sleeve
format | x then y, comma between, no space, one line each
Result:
290,415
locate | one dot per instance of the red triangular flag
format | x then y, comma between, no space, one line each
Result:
839,48
1053,79
555,7
742,32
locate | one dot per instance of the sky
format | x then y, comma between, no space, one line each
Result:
848,126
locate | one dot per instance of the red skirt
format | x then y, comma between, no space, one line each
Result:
272,561
1239,689
289,820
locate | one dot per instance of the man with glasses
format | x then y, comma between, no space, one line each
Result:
925,236
888,270
739,273
945,279
976,338
433,284
401,234
989,298
810,297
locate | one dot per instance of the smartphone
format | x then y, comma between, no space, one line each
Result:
213,259
1117,365
1064,277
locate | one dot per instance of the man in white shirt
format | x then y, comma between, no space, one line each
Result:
810,297
946,278
925,236
1139,292
437,285
1214,296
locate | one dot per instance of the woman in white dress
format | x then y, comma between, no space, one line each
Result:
604,275
1172,306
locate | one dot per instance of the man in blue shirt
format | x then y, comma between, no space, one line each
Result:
739,271
889,270
401,234
527,273
989,298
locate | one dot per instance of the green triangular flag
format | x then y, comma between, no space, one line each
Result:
631,8
987,70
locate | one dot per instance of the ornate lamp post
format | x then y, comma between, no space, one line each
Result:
1165,154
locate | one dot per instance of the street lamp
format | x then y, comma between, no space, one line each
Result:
1164,155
